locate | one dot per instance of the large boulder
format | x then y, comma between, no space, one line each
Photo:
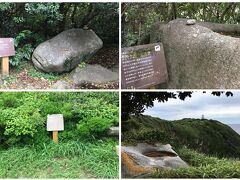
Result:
115,68
197,56
144,159
65,51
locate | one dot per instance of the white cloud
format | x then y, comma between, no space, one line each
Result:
224,109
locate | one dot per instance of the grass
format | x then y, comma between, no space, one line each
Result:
216,146
72,159
206,136
202,166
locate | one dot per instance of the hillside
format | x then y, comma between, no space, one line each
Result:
207,136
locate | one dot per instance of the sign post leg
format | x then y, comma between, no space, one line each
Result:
55,136
5,66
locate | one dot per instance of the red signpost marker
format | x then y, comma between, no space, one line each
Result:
6,50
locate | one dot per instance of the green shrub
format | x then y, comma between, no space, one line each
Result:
207,136
94,126
8,101
50,108
23,115
23,52
146,135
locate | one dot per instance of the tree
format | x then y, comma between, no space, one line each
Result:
32,23
141,16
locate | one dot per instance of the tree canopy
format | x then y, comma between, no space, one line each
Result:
137,102
33,23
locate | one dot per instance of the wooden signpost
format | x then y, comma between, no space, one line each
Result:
6,50
55,123
143,66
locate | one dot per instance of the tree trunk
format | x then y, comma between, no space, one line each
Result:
73,15
92,13
64,8
224,28
174,11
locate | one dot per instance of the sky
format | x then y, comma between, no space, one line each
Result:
222,108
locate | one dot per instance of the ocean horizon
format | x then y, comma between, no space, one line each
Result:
235,127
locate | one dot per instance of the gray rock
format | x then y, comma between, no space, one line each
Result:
197,57
174,162
65,51
113,131
191,22
115,68
1,79
148,158
93,74
61,84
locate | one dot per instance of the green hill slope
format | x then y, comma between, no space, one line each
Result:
207,136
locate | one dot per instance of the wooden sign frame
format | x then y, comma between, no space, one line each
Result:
6,50
143,66
55,123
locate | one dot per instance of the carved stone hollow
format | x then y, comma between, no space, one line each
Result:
144,159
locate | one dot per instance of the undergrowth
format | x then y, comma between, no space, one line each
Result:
49,76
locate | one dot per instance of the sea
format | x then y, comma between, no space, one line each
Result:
235,127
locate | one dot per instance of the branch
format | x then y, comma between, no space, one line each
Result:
124,8
224,28
73,15
91,14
